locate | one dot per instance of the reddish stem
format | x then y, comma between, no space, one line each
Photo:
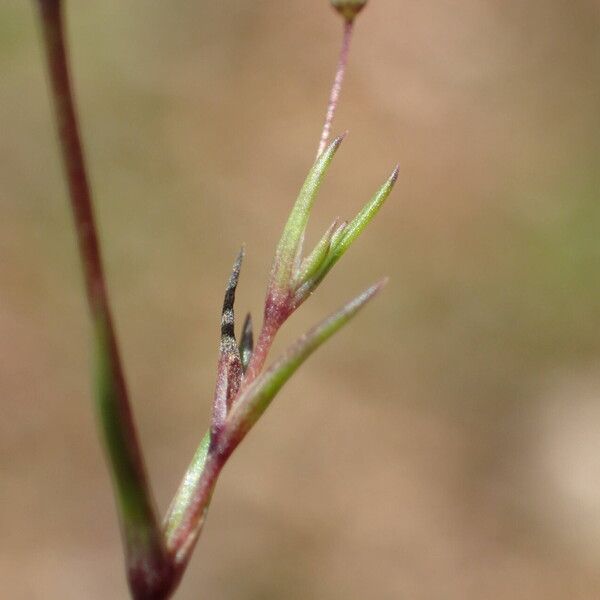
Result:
278,307
279,304
148,568
337,85
260,352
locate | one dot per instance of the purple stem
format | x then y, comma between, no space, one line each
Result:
337,85
278,307
149,570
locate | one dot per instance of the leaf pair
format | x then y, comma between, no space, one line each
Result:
243,394
300,277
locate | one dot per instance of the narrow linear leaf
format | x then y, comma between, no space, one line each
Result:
228,343
290,243
337,234
186,513
313,261
229,370
254,401
365,216
344,238
298,256
186,492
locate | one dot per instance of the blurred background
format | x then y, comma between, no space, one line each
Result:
447,444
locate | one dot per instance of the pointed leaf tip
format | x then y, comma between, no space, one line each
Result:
252,402
290,244
344,237
229,370
234,277
310,265
377,287
338,233
332,148
365,216
340,138
368,294
239,258
227,313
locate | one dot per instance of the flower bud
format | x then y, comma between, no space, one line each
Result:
348,8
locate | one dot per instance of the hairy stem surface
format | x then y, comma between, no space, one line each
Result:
336,89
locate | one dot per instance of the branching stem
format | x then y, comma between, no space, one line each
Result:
157,558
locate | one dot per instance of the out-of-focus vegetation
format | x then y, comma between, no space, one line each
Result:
457,446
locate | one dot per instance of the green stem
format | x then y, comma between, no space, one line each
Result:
188,510
149,570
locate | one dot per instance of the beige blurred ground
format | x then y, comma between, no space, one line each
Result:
447,445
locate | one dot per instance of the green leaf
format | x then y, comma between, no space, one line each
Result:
344,237
337,234
313,261
364,217
253,402
185,494
289,246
